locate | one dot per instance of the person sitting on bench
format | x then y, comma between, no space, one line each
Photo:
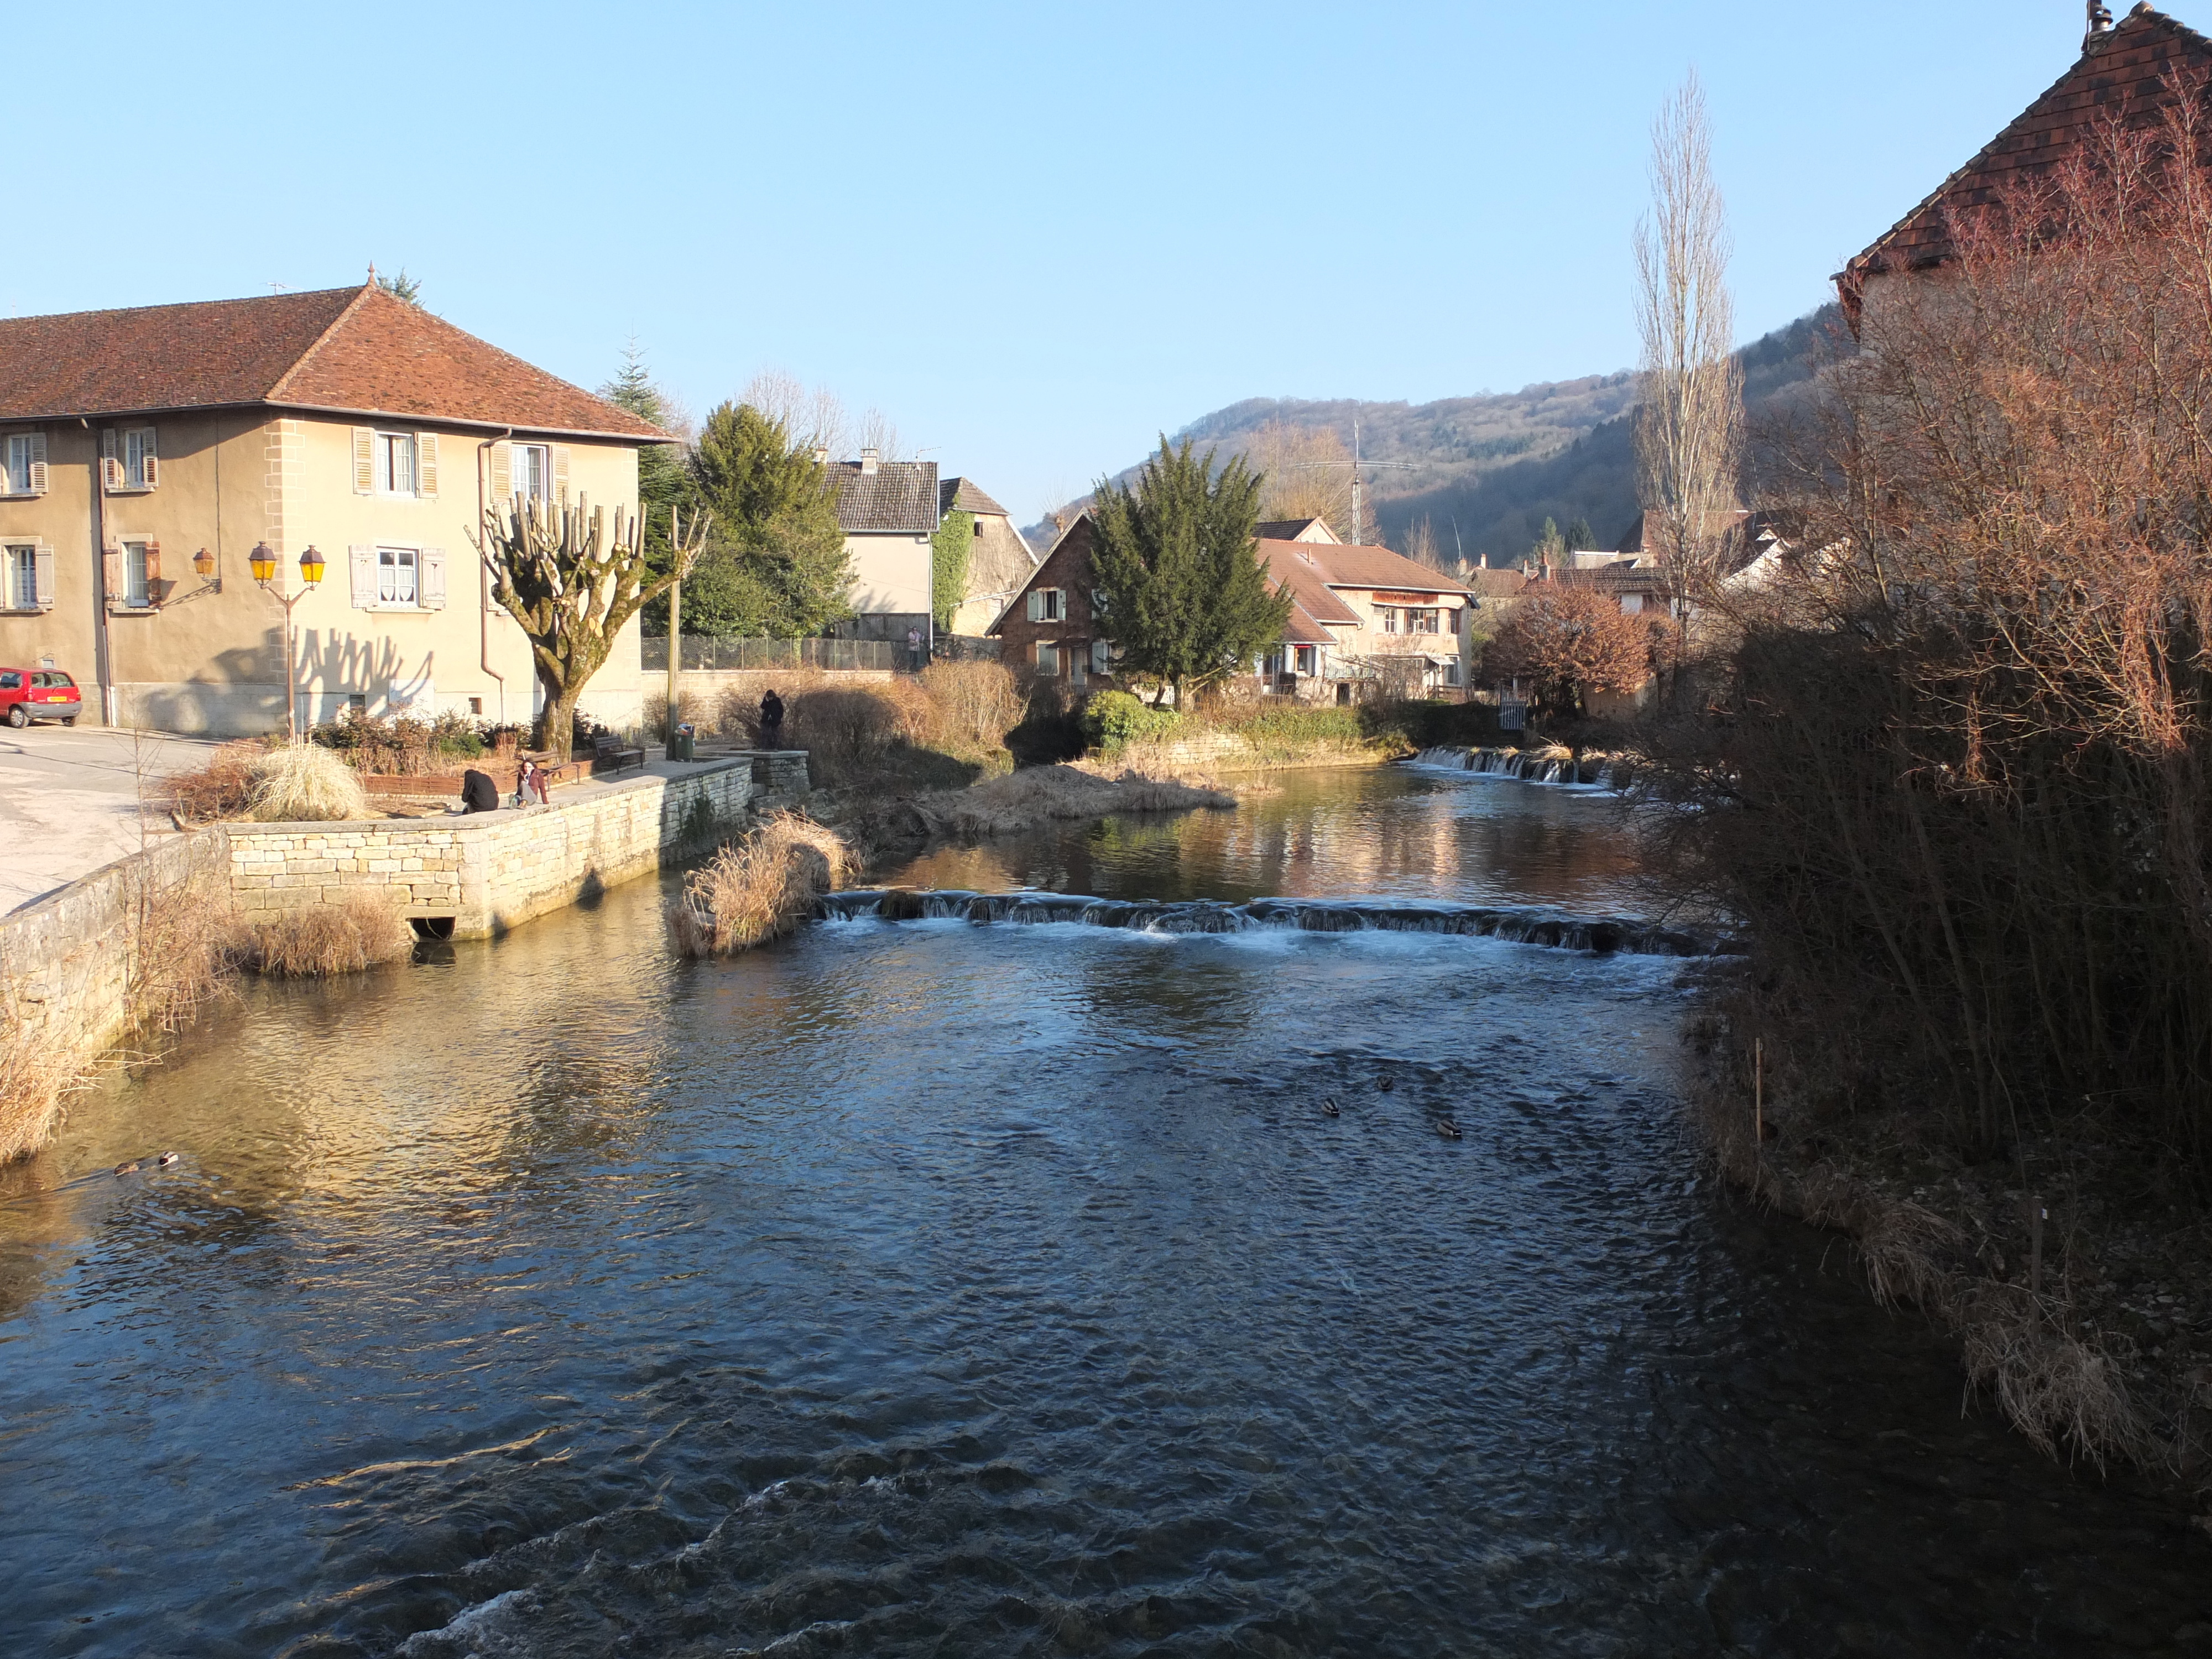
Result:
478,793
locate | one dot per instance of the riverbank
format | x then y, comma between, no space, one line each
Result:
2077,1290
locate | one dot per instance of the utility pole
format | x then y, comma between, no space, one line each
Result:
675,625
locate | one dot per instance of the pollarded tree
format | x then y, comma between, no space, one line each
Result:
1187,599
777,561
1567,642
572,580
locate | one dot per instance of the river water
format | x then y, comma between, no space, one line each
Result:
924,1288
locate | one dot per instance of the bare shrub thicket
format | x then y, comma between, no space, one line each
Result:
1039,795
758,888
223,788
962,709
313,940
1955,768
36,1072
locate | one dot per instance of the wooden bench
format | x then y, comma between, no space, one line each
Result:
608,758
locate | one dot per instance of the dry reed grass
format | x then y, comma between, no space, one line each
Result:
314,940
304,782
36,1072
222,789
759,888
1038,795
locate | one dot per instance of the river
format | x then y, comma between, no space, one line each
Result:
927,1288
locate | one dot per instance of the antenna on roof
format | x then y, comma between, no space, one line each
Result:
2100,24
1355,463
278,287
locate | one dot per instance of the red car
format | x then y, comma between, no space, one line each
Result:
39,694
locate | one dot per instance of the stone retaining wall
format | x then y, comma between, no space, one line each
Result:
487,871
71,966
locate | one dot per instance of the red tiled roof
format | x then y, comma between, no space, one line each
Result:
1495,584
2125,70
353,350
1295,565
965,496
1302,630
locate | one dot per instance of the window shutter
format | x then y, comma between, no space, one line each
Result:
363,560
426,463
111,468
9,483
561,474
364,461
502,478
44,560
434,578
149,471
152,563
1036,606
37,480
113,586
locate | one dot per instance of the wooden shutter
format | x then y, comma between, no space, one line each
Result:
363,563
561,475
37,480
9,483
1036,610
114,586
502,476
153,565
111,466
44,560
433,578
426,463
150,470
364,461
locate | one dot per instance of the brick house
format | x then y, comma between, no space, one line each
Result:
145,453
1050,625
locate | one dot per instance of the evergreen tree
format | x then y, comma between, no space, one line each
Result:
776,563
403,287
1581,538
1188,597
1551,546
663,482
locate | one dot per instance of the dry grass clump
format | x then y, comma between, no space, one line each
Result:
759,888
221,789
36,1070
185,942
971,705
304,782
313,940
1043,795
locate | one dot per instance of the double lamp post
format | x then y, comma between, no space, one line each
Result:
264,565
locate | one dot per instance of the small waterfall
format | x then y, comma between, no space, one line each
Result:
1599,935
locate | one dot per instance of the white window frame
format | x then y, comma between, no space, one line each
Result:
22,575
1052,602
1386,616
386,445
138,594
137,443
395,560
1427,619
17,449
519,465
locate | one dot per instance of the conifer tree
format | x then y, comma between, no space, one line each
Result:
1186,598
777,564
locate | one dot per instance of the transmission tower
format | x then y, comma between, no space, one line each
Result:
1359,530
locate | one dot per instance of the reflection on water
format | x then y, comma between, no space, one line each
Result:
938,1289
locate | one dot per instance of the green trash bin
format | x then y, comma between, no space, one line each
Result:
683,745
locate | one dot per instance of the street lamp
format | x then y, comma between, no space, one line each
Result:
262,564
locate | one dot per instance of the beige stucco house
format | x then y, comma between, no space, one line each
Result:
132,441
889,511
999,564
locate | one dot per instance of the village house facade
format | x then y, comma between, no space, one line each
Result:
1364,620
999,563
144,453
890,513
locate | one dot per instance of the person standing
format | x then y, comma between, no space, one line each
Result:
771,720
914,649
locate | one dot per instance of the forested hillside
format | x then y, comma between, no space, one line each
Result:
1485,471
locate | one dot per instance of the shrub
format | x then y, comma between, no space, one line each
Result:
973,705
221,789
1113,720
759,888
36,1070
312,940
1042,795
303,781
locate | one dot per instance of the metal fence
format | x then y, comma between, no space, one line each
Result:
708,651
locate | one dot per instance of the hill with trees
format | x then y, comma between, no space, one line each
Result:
1482,473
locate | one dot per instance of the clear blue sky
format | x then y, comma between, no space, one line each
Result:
1034,235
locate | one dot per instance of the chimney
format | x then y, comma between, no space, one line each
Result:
2100,25
870,460
822,454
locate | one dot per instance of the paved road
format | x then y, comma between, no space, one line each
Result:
70,801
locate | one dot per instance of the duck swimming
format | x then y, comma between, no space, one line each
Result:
1329,1107
132,1168
164,1160
1386,1083
1447,1128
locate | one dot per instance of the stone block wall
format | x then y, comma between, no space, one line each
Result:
489,872
70,965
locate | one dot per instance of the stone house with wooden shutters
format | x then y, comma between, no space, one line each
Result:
345,419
